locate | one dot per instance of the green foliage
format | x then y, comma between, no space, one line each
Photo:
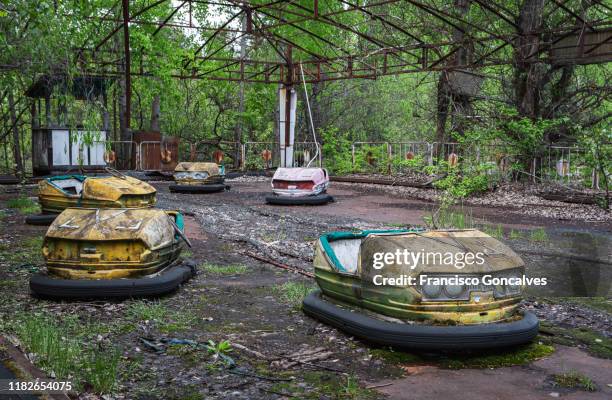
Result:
335,151
461,186
417,163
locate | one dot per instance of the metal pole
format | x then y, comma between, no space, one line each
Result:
128,81
288,87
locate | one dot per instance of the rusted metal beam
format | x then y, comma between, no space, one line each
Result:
573,14
497,13
168,18
140,12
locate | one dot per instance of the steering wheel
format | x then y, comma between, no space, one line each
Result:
115,173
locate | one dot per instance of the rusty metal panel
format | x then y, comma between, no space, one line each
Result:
169,153
155,152
41,148
582,48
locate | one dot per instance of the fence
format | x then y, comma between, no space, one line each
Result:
566,164
264,155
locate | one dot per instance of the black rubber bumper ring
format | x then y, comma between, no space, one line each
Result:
422,337
169,280
41,219
317,200
212,188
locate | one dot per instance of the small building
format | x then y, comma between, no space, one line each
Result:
58,147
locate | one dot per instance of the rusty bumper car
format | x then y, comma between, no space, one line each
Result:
199,177
57,193
300,186
426,313
112,253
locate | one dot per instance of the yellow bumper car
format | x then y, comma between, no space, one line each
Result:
92,253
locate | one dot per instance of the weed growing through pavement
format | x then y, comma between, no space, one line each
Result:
574,380
538,235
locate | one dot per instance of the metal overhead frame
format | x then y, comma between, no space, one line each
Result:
392,44
405,50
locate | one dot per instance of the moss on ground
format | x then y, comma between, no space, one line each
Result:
595,344
519,355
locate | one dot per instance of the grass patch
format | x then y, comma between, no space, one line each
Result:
59,352
186,254
515,235
520,355
26,251
293,292
24,205
232,269
444,219
538,235
574,380
161,317
494,231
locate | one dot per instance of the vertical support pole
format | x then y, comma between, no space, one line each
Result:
353,155
389,155
126,47
243,157
288,100
316,8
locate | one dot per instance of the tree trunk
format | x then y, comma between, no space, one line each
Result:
48,120
528,72
155,114
443,101
19,171
446,95
124,158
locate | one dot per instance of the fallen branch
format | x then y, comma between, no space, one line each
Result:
379,385
279,265
252,352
